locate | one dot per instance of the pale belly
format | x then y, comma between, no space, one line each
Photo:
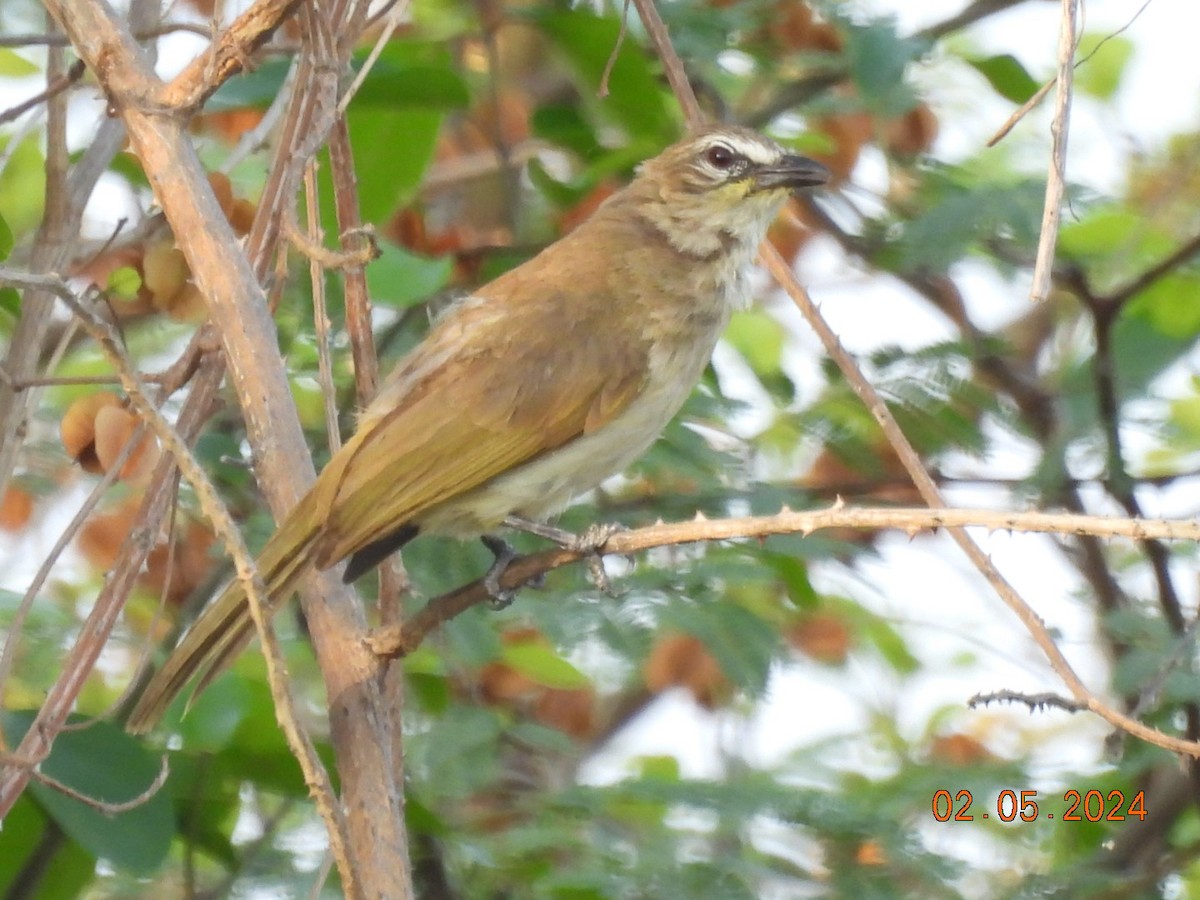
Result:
547,485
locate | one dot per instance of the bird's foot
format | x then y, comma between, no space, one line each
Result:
594,537
589,544
504,554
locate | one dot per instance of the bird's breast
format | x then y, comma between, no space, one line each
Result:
546,485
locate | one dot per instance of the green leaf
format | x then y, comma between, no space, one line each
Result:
400,278
1006,75
208,804
1144,352
10,301
541,663
461,754
958,216
405,75
6,239
129,166
758,337
878,59
422,86
124,282
104,763
1100,233
413,74
700,32
565,125
215,715
392,150
636,96
23,184
1170,305
257,87
1102,61
793,572
664,768
21,852
887,640
1182,687
13,65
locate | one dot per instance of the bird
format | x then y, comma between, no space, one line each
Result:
533,388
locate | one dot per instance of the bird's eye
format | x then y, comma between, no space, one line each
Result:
720,157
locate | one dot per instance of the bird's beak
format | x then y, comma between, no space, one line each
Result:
790,172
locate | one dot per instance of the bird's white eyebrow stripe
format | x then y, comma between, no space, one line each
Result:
755,151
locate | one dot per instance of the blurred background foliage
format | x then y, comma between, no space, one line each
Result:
480,135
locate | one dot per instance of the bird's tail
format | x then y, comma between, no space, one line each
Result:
225,627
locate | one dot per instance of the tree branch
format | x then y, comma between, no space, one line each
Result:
925,484
403,639
361,731
1059,129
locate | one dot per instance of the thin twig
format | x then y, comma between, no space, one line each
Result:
602,90
1182,254
102,333
97,626
66,380
909,520
256,138
393,580
56,39
64,203
909,459
672,64
322,876
57,86
324,256
316,275
17,624
1043,269
227,55
377,15
1021,112
395,17
108,808
1033,101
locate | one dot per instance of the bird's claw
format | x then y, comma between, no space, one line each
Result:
590,543
498,597
594,537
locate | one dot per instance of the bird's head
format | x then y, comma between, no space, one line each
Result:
718,189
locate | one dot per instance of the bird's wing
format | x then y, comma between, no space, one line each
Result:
455,420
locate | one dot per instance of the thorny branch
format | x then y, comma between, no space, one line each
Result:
403,639
228,276
896,438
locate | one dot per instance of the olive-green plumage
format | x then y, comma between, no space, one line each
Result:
535,388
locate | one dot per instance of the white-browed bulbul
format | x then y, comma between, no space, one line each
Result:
533,389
